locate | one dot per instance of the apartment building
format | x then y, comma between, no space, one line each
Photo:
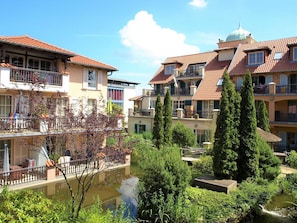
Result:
119,92
194,82
40,80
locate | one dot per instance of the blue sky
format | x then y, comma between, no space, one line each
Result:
136,36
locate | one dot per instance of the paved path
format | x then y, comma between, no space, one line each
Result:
287,170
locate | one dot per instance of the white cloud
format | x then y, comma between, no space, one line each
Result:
149,42
198,3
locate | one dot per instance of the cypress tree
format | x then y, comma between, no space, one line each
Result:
167,119
226,142
248,154
263,119
158,132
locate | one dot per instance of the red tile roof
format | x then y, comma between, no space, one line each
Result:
81,60
208,89
271,65
183,61
27,41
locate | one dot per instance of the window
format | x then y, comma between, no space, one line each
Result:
169,69
5,105
37,64
17,61
139,128
295,53
278,55
220,82
256,58
91,79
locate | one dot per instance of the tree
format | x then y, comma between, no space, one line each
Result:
158,128
167,119
183,136
248,153
262,118
226,134
80,132
269,164
164,180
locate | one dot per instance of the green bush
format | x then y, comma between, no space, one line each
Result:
164,179
292,159
203,165
183,136
269,164
28,206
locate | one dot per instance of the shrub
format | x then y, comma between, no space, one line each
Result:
28,206
292,159
204,165
183,136
164,179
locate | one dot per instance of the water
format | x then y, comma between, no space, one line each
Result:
111,188
274,211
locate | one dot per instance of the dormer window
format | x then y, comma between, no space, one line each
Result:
169,69
256,58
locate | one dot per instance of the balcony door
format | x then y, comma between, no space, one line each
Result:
293,83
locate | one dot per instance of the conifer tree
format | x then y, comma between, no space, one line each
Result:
248,154
226,141
263,119
167,119
158,132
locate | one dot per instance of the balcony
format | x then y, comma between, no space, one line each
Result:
286,89
36,125
25,78
173,92
190,73
285,117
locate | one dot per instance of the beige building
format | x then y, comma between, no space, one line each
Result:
63,79
195,82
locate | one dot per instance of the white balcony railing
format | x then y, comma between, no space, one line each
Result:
24,78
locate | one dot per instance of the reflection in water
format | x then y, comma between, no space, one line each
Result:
110,187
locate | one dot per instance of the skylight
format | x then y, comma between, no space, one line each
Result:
278,55
220,82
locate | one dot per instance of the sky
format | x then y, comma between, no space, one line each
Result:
136,36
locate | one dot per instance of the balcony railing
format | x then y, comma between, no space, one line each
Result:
285,117
176,91
24,75
36,124
286,89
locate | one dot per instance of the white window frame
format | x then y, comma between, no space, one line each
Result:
258,58
169,69
5,105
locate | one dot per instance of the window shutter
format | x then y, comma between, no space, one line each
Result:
99,83
85,79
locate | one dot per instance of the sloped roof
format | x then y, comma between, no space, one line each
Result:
29,42
267,136
271,65
208,88
183,62
136,98
81,60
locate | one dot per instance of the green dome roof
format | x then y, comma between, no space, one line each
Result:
238,34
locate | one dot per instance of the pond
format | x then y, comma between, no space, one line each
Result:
119,185
110,187
274,211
